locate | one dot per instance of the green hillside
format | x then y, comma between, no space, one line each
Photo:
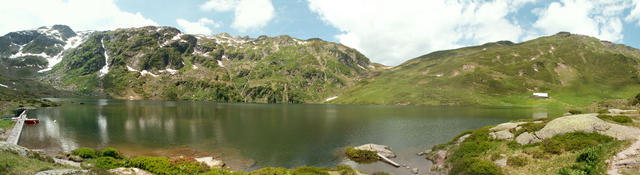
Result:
163,63
574,69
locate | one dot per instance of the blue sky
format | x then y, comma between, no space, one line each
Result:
386,31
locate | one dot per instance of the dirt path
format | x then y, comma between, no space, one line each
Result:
629,157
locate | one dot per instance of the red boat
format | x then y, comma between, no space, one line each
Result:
31,121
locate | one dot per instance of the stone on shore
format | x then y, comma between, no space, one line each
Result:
506,126
502,135
414,170
128,171
527,138
22,151
62,172
586,123
380,149
209,161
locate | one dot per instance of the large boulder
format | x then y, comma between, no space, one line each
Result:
586,123
506,126
22,151
380,149
503,135
527,138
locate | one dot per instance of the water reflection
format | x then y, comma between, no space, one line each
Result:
272,135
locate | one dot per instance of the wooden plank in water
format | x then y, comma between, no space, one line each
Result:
385,159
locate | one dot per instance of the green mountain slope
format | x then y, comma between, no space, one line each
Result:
573,69
163,63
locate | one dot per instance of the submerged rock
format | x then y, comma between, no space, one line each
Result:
380,149
414,170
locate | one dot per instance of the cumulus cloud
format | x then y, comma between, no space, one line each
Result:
248,14
219,5
197,27
391,32
79,14
601,19
634,15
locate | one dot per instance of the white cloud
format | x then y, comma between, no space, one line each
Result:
197,27
601,19
219,5
78,14
634,15
391,32
248,14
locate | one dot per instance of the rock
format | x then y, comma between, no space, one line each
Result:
22,151
128,171
527,138
62,172
501,162
421,153
621,111
567,114
502,135
518,128
537,121
414,170
67,162
209,161
75,158
462,138
1,130
380,149
586,123
506,126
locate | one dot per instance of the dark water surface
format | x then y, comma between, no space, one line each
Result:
251,136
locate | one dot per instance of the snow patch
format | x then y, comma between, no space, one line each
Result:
145,72
129,68
5,86
361,67
71,43
176,37
330,98
194,67
105,68
220,63
171,71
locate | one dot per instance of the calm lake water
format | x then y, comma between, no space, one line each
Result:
251,136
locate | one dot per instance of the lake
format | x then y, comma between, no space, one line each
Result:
252,136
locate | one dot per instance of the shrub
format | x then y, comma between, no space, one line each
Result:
271,171
162,165
573,141
482,167
528,127
361,155
345,170
589,161
617,118
111,152
309,171
108,163
517,161
603,111
574,111
85,152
